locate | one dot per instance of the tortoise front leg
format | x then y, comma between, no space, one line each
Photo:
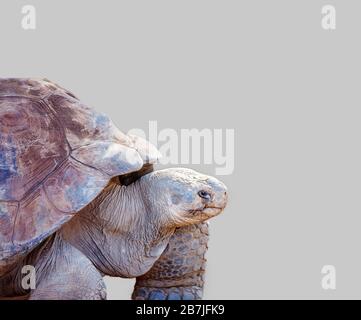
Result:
64,273
179,273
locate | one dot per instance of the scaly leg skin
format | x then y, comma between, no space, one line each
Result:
179,273
66,274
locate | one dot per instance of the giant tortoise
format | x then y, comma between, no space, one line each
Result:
79,200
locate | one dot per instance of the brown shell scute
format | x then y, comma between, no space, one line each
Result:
113,159
83,125
30,146
71,188
30,88
36,217
7,220
56,156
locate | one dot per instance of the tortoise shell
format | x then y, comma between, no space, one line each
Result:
56,156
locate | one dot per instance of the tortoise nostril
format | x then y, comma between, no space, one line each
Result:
205,195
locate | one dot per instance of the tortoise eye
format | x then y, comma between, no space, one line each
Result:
205,195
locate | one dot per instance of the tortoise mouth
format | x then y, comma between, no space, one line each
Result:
129,178
209,211
213,211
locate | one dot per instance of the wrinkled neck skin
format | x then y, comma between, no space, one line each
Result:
118,232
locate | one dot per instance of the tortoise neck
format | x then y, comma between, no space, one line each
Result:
121,207
118,233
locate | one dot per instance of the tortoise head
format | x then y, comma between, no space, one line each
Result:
132,221
182,196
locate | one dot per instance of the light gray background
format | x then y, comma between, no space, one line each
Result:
265,68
